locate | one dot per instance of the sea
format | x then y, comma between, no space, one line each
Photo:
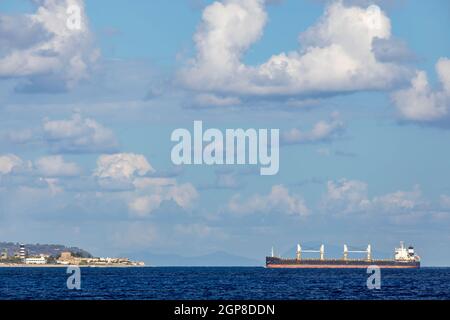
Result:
227,283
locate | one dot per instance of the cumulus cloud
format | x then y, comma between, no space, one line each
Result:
346,196
279,200
41,50
48,172
400,200
122,178
78,135
220,41
9,162
420,102
56,166
183,195
130,172
20,32
44,173
392,50
122,166
351,197
145,204
336,53
324,130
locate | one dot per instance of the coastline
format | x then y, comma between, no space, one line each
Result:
12,265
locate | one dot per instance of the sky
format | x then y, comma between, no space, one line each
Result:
359,89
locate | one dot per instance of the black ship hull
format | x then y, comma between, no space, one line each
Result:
274,262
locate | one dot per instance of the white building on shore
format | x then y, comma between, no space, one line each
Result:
36,260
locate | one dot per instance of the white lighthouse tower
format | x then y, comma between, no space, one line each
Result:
22,252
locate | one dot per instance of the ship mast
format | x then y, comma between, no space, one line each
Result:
321,251
368,251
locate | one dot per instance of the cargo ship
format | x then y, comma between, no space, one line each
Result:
404,257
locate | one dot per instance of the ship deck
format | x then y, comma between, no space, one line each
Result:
275,262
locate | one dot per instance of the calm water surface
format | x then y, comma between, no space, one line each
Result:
223,283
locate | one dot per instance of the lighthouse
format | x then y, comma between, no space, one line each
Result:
22,252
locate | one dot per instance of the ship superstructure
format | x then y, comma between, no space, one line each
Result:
403,258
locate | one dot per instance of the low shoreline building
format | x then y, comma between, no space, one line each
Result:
67,258
36,260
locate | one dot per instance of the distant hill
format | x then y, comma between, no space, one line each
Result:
48,249
216,259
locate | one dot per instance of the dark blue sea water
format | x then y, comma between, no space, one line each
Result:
223,283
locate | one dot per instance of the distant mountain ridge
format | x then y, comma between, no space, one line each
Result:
48,249
215,259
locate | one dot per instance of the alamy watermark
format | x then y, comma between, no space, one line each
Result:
74,280
374,280
235,146
73,21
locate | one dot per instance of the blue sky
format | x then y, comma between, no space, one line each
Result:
362,104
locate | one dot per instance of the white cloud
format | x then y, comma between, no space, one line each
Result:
278,200
387,50
55,166
346,196
78,135
420,102
127,172
9,162
351,196
399,200
45,172
183,195
122,166
145,204
43,51
20,32
336,54
121,178
220,41
322,131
